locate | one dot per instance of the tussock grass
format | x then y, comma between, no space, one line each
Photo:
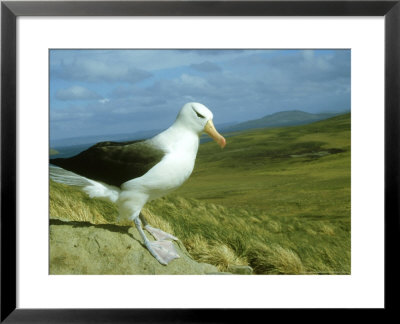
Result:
70,204
271,245
158,222
213,252
275,259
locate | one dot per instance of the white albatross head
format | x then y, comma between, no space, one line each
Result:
198,118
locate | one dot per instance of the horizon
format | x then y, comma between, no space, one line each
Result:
111,92
339,112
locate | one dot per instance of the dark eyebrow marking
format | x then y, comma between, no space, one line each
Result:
198,115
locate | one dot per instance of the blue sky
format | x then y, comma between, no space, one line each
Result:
95,92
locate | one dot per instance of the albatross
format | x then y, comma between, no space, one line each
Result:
133,173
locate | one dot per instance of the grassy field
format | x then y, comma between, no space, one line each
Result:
275,199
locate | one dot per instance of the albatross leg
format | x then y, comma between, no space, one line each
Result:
158,234
163,251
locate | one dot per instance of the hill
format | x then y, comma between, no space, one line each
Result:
279,119
259,168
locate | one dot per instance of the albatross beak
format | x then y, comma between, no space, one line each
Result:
210,130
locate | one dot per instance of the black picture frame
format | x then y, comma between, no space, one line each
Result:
10,10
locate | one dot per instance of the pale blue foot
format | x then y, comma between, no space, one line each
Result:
160,235
163,251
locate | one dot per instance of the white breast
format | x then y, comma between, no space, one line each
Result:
173,170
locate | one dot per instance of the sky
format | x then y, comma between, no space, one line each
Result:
98,92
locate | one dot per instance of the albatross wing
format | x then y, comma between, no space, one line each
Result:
113,162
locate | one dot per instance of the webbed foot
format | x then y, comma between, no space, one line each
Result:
159,235
163,251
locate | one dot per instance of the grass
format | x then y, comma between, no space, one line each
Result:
69,203
53,152
275,199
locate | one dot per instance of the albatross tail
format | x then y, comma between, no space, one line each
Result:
100,190
92,188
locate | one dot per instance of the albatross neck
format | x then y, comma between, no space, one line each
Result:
179,136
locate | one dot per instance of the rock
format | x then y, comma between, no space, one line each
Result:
240,269
84,248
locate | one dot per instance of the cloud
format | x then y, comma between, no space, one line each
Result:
248,85
167,90
150,61
103,101
76,93
188,80
206,66
308,66
87,70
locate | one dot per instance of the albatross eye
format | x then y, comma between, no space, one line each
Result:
198,115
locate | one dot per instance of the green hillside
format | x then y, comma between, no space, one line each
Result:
281,119
306,168
275,199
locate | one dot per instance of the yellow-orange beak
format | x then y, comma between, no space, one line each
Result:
210,130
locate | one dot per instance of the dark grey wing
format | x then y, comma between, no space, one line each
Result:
112,162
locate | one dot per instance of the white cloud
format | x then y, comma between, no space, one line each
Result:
105,100
76,93
192,81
